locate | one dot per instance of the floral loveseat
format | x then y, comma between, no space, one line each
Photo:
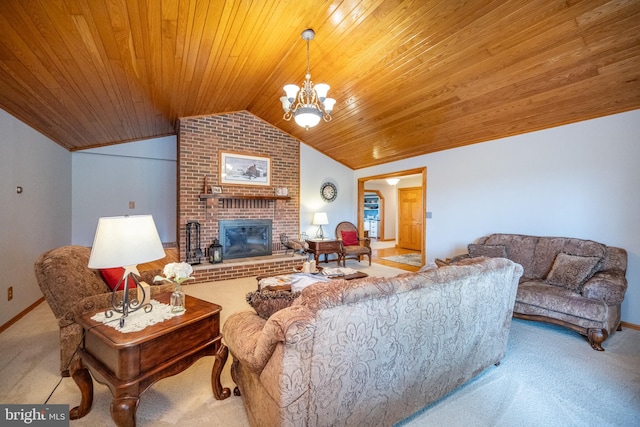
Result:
371,352
72,289
579,284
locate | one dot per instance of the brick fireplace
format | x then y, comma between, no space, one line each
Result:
201,141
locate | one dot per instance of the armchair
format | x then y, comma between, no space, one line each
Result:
351,244
72,289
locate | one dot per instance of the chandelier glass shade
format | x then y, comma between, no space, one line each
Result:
309,104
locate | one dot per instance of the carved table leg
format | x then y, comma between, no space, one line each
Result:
123,410
220,359
82,378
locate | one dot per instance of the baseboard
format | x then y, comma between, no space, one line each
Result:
630,325
21,315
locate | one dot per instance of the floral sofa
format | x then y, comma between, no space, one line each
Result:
72,289
579,284
371,352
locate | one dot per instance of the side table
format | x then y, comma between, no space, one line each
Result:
129,363
326,247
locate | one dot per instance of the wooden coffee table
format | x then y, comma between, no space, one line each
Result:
129,363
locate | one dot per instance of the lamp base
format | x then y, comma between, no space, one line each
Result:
320,233
127,305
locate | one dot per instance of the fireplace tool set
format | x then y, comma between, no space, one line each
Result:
194,251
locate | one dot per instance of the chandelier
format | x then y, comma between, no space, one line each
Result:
309,104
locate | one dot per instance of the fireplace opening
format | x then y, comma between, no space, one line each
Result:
243,238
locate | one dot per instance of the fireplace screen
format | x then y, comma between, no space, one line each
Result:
245,238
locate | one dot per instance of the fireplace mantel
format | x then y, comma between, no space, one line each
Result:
241,197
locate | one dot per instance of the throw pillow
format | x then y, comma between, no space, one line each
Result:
111,276
350,238
428,266
572,271
441,263
265,303
491,251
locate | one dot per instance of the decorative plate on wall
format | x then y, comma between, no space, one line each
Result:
328,192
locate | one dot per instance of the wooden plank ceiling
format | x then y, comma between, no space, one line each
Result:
409,77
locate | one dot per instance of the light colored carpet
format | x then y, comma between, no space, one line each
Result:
409,259
549,377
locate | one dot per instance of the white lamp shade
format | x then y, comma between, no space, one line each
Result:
328,105
321,90
320,218
285,103
307,117
292,91
125,241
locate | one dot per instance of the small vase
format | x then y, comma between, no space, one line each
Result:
177,300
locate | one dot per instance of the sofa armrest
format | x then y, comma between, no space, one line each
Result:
244,335
252,340
609,286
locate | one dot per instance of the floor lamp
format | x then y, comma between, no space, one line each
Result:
126,241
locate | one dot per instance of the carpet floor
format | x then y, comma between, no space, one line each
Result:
409,259
550,376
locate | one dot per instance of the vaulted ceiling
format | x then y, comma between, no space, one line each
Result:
409,77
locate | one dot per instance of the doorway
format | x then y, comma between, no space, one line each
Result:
418,226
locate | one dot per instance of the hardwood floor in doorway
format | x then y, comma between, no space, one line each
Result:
378,254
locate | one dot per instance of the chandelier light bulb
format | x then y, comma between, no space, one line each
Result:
328,105
321,90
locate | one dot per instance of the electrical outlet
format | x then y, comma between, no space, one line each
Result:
10,293
132,205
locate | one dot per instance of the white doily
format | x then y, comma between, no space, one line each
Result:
138,320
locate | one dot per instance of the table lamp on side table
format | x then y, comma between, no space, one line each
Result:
320,218
126,241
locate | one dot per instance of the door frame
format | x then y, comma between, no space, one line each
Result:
422,171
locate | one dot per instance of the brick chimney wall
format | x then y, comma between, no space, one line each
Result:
201,140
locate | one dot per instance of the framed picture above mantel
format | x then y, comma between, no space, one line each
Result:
244,169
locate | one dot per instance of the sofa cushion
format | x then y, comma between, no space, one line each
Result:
572,271
265,303
491,251
520,248
349,238
112,276
539,298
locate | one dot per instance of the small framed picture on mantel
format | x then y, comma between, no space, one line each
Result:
243,169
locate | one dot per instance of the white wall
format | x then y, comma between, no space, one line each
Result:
106,179
579,180
315,169
36,220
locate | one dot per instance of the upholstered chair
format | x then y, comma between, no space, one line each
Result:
351,244
72,289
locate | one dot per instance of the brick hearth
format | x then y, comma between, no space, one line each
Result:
259,266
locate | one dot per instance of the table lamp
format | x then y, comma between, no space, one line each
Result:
125,241
320,218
